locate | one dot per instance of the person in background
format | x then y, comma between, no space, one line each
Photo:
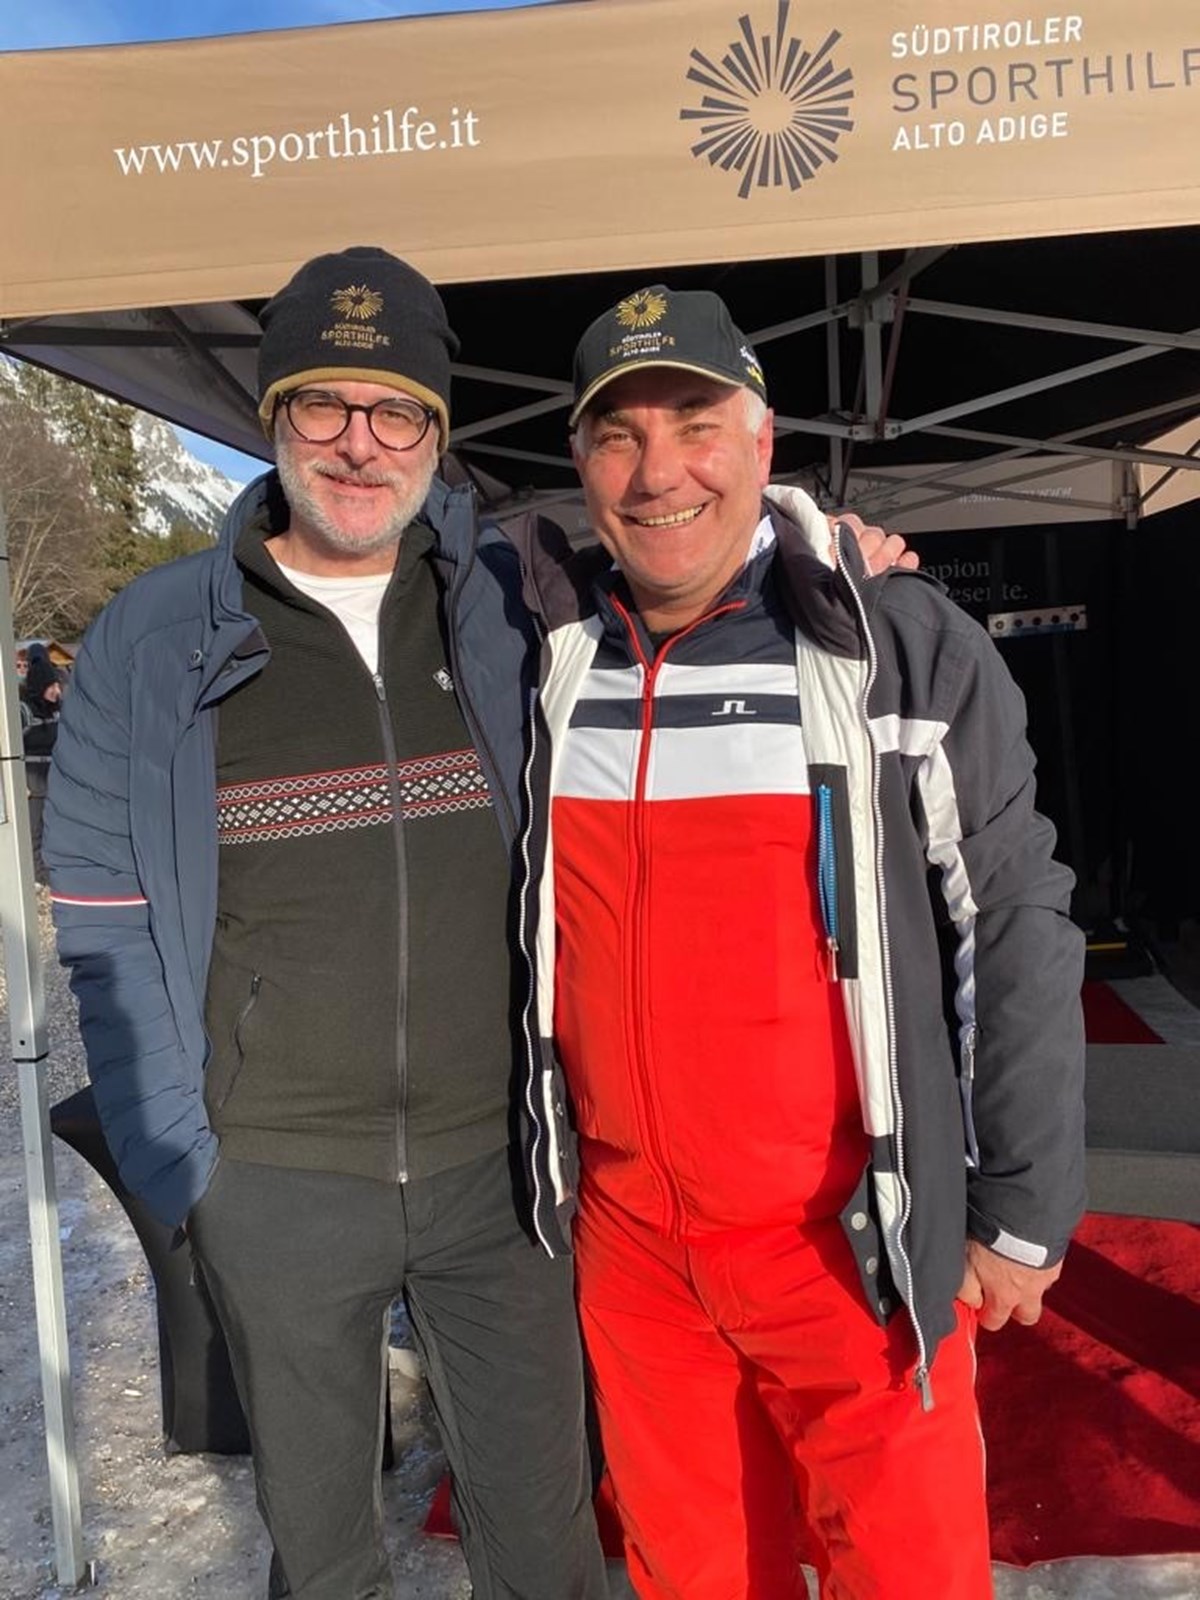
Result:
41,699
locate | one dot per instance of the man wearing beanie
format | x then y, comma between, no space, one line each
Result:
279,835
803,952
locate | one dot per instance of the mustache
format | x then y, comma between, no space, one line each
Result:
367,478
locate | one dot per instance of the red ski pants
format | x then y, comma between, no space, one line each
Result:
754,1413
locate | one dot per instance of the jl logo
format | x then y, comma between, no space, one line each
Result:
774,110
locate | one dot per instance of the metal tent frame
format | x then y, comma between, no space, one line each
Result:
194,365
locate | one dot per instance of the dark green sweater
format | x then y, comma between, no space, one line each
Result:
359,995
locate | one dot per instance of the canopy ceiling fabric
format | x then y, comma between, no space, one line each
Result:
595,136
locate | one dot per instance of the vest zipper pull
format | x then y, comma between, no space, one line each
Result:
831,952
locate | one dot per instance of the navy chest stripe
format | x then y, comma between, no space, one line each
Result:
689,711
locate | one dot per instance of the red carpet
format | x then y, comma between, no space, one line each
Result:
1092,1418
1108,1020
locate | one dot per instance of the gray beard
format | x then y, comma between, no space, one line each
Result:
305,508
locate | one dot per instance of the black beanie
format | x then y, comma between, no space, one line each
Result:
360,314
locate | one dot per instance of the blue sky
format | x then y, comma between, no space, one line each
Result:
57,24
52,24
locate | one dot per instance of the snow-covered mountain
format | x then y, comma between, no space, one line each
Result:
179,488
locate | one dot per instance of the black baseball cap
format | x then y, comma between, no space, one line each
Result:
659,327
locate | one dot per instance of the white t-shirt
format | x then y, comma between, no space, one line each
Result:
354,602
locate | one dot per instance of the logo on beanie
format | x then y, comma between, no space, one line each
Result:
357,301
356,306
776,110
641,310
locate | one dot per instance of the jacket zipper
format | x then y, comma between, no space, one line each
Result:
389,750
652,1117
921,1375
540,1124
827,886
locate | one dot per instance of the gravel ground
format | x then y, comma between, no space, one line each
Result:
184,1527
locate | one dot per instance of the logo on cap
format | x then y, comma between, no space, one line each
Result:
641,310
776,110
357,302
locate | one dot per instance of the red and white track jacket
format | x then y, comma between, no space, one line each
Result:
957,971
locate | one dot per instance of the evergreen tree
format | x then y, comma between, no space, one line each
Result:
100,432
51,524
99,429
184,539
71,465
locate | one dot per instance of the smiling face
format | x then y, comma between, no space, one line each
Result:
673,466
350,499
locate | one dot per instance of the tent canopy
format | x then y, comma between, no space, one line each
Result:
594,136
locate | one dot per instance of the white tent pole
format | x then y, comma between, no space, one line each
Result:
27,1021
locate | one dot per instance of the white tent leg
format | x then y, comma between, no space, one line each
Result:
51,1325
27,1021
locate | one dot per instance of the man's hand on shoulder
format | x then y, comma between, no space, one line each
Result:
879,549
999,1288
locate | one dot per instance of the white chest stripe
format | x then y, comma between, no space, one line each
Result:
685,763
737,752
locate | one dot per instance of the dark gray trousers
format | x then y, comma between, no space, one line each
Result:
302,1268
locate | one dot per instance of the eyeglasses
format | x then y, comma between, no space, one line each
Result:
320,417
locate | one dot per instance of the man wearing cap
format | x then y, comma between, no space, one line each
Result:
803,952
279,837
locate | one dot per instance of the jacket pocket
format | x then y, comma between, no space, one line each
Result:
835,872
224,1074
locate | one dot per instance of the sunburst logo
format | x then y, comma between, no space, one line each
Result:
641,310
357,302
774,110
